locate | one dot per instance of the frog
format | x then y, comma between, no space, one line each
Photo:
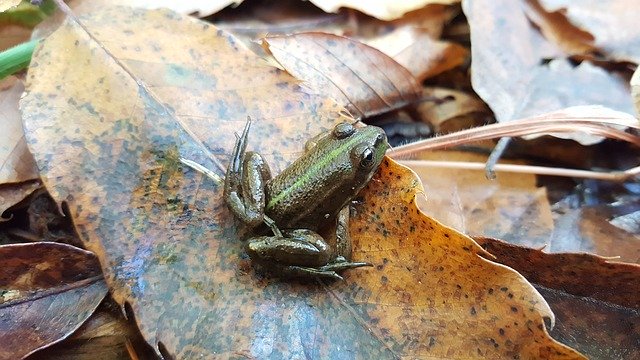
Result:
312,193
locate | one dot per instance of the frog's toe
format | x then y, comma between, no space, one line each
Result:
340,264
301,271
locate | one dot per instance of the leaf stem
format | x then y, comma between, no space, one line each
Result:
16,58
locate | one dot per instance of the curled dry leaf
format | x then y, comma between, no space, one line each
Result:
16,162
450,105
381,9
613,24
168,245
47,290
419,53
593,297
358,76
513,79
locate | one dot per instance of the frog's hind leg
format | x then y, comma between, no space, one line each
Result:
244,183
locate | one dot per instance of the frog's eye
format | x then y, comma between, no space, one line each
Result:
366,158
343,130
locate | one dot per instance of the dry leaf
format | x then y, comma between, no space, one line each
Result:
16,162
11,194
451,105
587,229
199,8
511,207
381,9
427,275
8,4
613,24
169,246
509,74
556,27
593,297
47,290
419,53
106,335
635,90
358,76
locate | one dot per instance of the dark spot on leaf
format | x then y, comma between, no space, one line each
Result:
501,331
473,311
514,309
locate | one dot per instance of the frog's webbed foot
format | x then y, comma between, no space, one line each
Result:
329,271
298,253
340,264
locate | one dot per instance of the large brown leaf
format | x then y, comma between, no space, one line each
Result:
143,88
358,76
47,290
594,297
510,73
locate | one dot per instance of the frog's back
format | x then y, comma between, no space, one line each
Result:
312,190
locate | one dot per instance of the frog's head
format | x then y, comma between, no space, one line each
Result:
367,146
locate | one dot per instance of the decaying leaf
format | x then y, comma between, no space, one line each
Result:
590,294
613,24
106,335
200,8
16,162
510,207
381,9
557,28
11,194
47,290
431,291
358,76
509,72
144,88
449,110
587,229
419,53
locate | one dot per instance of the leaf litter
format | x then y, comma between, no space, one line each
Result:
161,231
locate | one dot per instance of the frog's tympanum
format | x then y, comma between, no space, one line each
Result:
312,193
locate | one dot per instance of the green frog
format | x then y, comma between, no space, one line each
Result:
314,192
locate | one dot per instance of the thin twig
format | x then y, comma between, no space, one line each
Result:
529,169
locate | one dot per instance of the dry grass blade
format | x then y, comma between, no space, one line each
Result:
533,126
605,123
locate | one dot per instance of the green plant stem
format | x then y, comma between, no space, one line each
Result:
16,58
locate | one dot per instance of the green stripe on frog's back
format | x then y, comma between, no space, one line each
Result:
317,167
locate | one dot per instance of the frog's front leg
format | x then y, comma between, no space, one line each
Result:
244,183
342,260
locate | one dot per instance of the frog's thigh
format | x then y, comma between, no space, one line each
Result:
254,176
300,247
343,241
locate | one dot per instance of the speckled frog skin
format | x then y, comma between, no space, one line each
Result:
308,195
